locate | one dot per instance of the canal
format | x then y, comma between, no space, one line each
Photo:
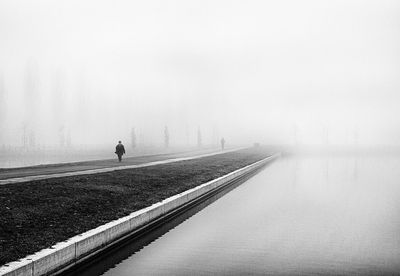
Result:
300,215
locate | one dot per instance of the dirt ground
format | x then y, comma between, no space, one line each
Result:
38,214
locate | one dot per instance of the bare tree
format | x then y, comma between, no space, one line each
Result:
24,138
3,113
58,93
69,139
199,139
82,113
62,136
133,138
215,135
166,137
31,98
187,132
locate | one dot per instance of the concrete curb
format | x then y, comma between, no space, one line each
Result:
75,250
111,169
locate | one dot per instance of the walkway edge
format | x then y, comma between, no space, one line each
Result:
75,250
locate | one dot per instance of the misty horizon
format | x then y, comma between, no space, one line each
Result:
310,72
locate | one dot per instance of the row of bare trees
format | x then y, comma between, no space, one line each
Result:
166,138
30,108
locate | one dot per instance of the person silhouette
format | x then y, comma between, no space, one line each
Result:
120,150
222,143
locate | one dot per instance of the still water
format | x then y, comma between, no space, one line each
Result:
300,215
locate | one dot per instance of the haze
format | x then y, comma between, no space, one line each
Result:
274,72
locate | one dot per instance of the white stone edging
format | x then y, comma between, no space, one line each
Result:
73,250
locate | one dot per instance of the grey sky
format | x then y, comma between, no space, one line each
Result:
254,70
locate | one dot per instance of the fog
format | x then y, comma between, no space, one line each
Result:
83,73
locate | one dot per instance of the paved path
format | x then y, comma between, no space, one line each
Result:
18,175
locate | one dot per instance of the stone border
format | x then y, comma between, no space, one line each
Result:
78,248
110,169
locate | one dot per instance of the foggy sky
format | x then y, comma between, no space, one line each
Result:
266,71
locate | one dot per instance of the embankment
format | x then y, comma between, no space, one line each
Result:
156,184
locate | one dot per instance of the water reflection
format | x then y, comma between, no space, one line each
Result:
302,215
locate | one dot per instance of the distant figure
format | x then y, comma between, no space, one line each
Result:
120,150
222,143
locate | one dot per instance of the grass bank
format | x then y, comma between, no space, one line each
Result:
38,214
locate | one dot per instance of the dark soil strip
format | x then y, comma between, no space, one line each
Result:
35,215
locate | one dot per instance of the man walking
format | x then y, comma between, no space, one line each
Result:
120,150
222,143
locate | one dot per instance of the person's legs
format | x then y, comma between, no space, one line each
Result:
120,157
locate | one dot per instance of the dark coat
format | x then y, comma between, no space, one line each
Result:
120,149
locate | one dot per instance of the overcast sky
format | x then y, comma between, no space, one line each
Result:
246,70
